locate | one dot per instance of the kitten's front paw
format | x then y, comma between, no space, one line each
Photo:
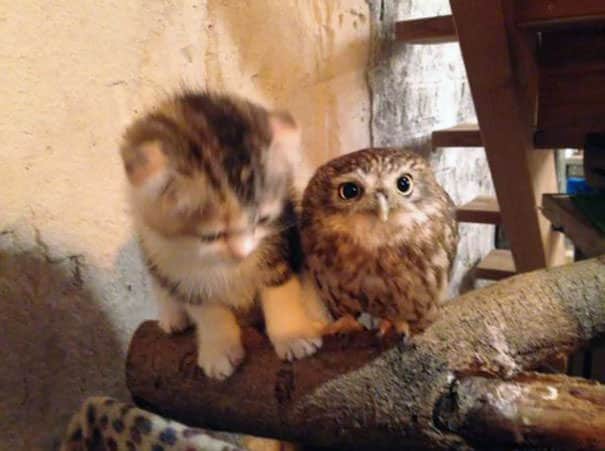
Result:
296,348
173,321
219,362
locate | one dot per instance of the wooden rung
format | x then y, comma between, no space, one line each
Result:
546,15
430,30
498,264
463,135
481,209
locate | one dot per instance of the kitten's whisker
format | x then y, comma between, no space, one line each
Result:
167,185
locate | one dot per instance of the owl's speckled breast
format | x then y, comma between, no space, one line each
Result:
390,283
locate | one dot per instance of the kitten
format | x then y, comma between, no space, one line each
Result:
211,180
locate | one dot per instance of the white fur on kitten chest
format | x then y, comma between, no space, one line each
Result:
289,326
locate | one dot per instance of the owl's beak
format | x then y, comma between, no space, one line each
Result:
383,207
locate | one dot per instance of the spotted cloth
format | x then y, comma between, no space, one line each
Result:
104,424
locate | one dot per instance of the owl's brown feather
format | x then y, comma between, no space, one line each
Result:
396,270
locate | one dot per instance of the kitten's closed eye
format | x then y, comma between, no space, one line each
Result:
214,236
263,220
209,238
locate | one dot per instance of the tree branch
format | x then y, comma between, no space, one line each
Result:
359,393
530,410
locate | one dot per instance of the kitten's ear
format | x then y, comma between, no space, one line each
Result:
285,144
143,162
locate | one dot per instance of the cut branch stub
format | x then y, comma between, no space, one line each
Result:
530,410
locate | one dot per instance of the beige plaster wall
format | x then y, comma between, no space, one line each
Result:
74,72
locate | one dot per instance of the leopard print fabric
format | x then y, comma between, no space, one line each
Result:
104,424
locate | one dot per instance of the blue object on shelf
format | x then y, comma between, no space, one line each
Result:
577,185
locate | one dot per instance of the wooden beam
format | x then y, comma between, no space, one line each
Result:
560,138
557,14
463,135
481,209
572,82
503,82
431,30
589,118
563,214
562,51
497,265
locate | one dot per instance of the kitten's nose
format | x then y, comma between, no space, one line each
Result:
241,246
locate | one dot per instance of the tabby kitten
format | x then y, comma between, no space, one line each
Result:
212,197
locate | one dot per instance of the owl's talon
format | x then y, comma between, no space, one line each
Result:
384,327
403,328
344,325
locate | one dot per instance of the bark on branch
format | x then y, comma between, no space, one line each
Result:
554,411
435,392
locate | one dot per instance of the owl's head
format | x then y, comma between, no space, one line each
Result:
374,190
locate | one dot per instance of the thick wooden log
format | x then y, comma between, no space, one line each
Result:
360,393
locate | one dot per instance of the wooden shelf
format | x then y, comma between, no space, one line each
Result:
560,138
482,210
541,15
430,30
564,216
497,265
463,135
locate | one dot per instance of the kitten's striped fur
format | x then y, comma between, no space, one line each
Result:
214,204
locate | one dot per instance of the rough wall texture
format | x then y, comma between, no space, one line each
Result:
72,287
416,89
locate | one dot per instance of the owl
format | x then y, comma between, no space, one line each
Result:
379,236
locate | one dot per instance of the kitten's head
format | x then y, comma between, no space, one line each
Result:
211,169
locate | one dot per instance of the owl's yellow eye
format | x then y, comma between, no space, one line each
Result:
349,190
405,184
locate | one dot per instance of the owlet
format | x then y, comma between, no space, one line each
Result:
379,236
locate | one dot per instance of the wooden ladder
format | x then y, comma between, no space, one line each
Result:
523,60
